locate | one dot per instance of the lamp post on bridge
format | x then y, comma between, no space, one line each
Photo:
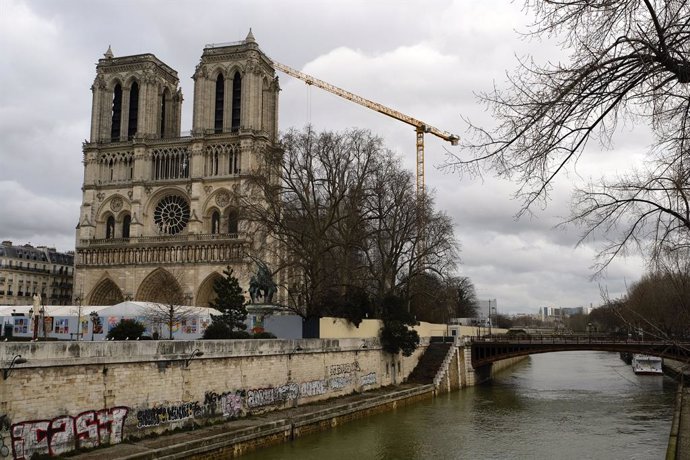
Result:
589,331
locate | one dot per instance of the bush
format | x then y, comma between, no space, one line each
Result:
240,335
127,329
263,335
396,337
217,330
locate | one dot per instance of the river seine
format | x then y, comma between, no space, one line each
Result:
567,405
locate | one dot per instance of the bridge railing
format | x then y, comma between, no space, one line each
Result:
560,338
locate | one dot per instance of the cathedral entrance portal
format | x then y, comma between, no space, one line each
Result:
161,287
106,293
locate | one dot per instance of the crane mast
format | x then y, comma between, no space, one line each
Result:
420,127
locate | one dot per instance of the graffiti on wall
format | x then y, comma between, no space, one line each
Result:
347,368
91,429
229,404
339,382
160,415
273,395
4,428
313,388
368,379
66,433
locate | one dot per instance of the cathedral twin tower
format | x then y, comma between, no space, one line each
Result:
161,215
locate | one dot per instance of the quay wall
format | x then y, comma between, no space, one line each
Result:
74,395
469,376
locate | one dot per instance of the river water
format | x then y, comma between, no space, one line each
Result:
566,405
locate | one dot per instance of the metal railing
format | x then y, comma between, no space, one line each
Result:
568,339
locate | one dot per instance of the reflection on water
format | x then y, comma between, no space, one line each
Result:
567,405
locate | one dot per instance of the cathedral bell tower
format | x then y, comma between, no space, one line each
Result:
160,216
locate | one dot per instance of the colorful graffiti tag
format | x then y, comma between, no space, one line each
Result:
65,433
368,379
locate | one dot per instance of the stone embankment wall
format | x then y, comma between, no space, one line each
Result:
469,376
72,395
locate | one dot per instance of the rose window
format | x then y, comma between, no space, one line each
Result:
171,214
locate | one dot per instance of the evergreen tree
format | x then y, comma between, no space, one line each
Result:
395,334
230,301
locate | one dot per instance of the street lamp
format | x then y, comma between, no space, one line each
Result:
79,331
94,320
15,361
589,331
195,354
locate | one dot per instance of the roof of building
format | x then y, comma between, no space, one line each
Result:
129,308
40,253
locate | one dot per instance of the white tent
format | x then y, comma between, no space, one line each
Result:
74,322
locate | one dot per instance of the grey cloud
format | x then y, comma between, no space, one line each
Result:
427,62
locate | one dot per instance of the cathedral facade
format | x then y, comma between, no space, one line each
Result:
161,215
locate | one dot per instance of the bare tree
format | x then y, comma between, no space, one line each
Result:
347,221
463,297
307,198
628,60
406,236
660,302
646,210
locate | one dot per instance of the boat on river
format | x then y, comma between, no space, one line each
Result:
646,364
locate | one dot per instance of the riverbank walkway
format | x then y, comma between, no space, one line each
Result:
235,437
679,440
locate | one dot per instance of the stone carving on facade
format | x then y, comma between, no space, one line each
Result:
100,196
116,204
222,198
200,71
86,222
130,194
98,82
194,217
208,188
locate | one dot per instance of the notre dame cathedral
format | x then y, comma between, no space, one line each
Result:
160,212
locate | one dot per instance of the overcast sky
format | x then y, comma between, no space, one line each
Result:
426,59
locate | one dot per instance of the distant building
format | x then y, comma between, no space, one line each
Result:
27,270
487,311
556,314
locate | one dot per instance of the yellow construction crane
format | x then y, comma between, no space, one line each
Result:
420,126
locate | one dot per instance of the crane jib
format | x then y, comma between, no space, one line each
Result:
420,126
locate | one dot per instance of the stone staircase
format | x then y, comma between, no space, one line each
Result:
430,363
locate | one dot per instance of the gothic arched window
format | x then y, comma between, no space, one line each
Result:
233,221
133,110
116,114
125,226
220,99
164,102
110,228
215,222
236,101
